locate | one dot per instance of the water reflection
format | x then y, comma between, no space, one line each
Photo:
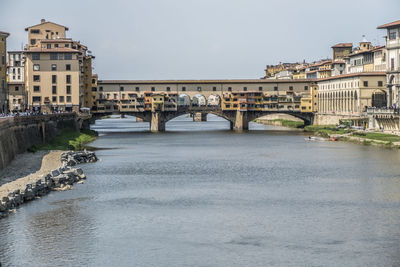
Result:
201,195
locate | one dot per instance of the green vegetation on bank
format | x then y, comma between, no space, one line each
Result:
378,136
325,130
68,139
291,124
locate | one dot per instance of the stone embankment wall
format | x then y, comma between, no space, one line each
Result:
57,180
19,133
322,119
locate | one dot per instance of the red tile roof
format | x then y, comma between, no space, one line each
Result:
343,45
375,73
45,50
4,33
389,25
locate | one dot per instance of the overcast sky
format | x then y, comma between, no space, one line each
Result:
201,39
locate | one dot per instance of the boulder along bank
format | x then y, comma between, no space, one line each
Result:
15,193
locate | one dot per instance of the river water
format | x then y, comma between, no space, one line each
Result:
201,195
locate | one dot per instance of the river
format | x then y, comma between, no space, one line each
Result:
201,195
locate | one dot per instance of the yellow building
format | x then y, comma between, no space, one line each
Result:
309,103
58,70
3,72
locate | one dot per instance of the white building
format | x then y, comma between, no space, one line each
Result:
16,80
393,61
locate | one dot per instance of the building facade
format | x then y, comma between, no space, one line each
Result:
16,81
351,94
393,62
58,70
3,72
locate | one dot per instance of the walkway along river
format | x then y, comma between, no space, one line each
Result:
201,195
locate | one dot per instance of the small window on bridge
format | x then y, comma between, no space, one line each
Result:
275,88
183,88
380,83
291,88
121,88
306,88
137,89
168,89
230,89
214,88
260,88
153,89
244,88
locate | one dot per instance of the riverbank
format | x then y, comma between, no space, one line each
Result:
56,174
68,139
364,137
281,120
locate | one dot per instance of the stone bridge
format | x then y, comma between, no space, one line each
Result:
239,120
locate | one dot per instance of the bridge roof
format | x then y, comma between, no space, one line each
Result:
375,73
232,81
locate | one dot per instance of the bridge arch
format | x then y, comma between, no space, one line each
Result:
184,100
199,100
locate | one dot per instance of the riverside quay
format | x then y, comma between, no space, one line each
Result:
238,101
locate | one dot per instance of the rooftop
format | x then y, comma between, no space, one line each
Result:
375,73
343,45
46,50
4,33
43,21
231,81
389,25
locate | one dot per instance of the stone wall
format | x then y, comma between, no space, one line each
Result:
322,119
19,133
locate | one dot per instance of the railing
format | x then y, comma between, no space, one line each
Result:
383,111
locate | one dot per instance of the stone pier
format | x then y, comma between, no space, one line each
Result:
157,123
241,122
199,117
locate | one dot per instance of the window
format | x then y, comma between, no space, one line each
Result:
61,56
365,83
36,67
36,78
244,88
54,89
56,45
68,89
291,88
306,88
380,83
67,56
35,56
53,78
54,99
35,31
48,46
260,88
121,88
153,89
36,88
214,88
230,89
275,88
183,88
168,89
68,78
66,45
33,41
53,56
392,34
137,89
36,99
53,67
68,98
101,89
16,88
68,67
61,98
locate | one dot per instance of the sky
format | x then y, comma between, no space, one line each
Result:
201,39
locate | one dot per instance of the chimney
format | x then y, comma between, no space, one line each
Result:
42,21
